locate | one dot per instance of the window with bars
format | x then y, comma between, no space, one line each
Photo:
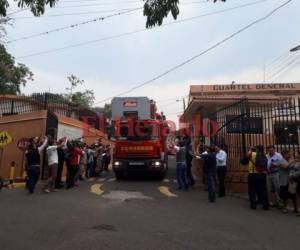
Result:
252,125
286,133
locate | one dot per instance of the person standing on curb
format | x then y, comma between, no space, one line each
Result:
273,176
76,153
295,179
181,164
60,167
90,162
284,179
33,161
210,161
221,157
189,159
257,179
52,155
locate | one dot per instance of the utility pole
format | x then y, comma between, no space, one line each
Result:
183,103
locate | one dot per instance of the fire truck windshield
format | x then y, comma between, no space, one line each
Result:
140,131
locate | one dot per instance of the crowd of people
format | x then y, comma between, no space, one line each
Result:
82,161
214,164
273,178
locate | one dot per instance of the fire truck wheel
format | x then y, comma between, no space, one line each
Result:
119,175
161,175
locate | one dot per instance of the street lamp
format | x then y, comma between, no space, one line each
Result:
295,48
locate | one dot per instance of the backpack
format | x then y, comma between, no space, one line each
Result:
261,162
244,161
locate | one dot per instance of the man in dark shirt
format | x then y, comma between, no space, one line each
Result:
189,159
211,168
181,164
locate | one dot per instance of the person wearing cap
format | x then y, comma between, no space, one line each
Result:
274,159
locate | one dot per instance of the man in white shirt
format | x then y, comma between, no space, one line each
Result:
274,160
52,156
221,158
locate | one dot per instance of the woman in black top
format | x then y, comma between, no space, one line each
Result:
33,159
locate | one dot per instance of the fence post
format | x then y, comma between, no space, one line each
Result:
244,115
12,107
45,100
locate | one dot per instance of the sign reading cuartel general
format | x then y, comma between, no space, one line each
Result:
247,87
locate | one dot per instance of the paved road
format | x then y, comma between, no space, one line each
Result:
135,214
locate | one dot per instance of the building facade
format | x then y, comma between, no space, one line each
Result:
239,116
22,118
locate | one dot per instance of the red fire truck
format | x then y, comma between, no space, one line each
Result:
140,137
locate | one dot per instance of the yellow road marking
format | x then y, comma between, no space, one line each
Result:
96,189
19,185
165,190
91,179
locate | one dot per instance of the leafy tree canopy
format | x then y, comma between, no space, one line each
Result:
154,10
12,75
157,10
37,7
84,99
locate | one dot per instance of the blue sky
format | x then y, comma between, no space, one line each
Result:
113,66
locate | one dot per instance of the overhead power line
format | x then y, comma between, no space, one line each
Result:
17,11
289,68
273,68
121,3
278,59
84,1
169,104
73,25
90,12
73,13
199,54
118,2
92,5
131,32
283,69
170,99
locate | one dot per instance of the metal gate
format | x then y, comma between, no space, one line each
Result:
249,123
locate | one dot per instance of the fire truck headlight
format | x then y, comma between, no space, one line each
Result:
156,163
117,163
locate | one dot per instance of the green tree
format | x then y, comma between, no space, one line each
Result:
84,99
154,10
12,75
157,10
37,7
75,82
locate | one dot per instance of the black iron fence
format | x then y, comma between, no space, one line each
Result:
11,105
249,122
